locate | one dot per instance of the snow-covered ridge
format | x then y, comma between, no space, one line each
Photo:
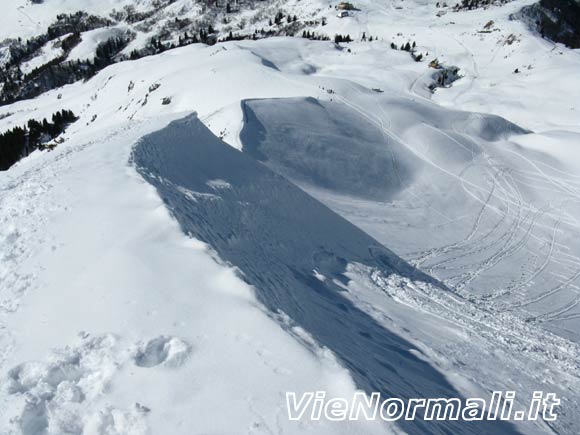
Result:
155,347
76,45
130,30
145,265
259,216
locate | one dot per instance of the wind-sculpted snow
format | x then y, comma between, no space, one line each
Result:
454,158
323,153
466,197
332,146
495,206
295,252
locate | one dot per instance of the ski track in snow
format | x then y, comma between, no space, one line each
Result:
509,242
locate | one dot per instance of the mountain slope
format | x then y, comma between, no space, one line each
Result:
121,323
368,227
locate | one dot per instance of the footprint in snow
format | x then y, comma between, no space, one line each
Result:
167,351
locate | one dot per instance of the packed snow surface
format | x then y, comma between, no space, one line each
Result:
228,223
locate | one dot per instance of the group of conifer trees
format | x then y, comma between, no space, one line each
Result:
19,142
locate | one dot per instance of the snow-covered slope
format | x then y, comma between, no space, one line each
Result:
360,231
25,18
117,322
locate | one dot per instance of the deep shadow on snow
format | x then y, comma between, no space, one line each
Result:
277,235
